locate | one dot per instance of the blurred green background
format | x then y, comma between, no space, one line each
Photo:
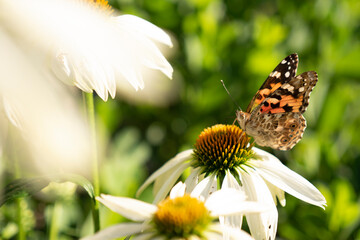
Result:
240,42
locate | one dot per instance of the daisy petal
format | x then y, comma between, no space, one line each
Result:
192,180
130,208
289,181
148,29
233,233
230,181
262,225
147,236
206,187
178,190
277,193
117,231
173,163
226,202
169,183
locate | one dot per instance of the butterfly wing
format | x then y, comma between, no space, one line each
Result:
292,96
280,131
283,73
277,122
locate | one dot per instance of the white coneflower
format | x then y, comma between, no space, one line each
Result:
55,135
180,216
86,45
124,54
223,154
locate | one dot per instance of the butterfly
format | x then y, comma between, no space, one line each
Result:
274,116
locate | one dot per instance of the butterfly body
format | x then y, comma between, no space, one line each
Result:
274,116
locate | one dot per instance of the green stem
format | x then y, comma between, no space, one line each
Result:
89,99
20,209
19,201
54,228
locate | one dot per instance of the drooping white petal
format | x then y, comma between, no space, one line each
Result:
214,235
117,231
147,28
47,115
98,50
230,201
230,181
262,225
147,236
178,190
192,180
233,233
167,185
206,187
170,165
288,180
130,208
277,193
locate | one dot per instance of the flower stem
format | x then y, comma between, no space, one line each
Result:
54,228
19,201
89,99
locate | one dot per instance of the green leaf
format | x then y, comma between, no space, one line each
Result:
23,187
28,186
81,181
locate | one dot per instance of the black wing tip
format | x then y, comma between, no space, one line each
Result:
294,56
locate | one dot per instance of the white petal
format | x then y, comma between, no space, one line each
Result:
54,131
234,221
130,208
146,236
117,231
170,165
192,180
233,233
97,46
262,225
206,187
230,201
289,181
230,181
169,183
277,193
178,190
146,28
213,235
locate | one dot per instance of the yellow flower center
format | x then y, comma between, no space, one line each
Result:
181,217
102,5
220,148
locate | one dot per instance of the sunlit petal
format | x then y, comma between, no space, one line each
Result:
169,183
172,164
206,187
178,190
262,225
117,231
130,208
289,181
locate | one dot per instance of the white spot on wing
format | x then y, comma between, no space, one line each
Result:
283,61
287,74
277,74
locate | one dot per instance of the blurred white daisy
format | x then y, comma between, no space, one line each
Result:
122,52
223,156
86,45
180,216
54,133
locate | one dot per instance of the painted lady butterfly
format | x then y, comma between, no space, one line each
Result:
274,116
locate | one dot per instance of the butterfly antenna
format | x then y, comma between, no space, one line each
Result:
230,94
